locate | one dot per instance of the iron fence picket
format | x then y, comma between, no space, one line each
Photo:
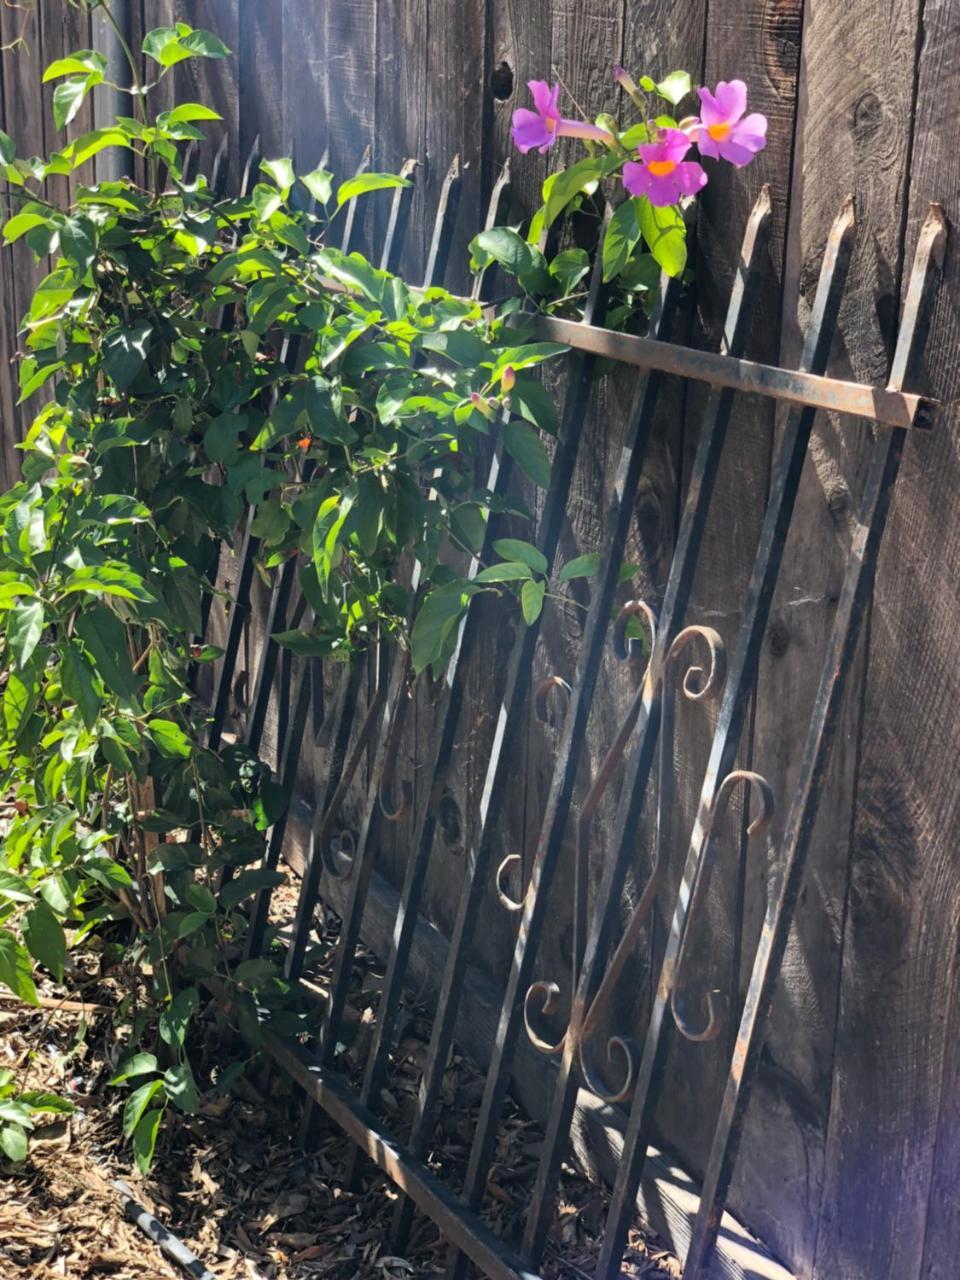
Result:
652,710
841,647
689,537
785,483
733,706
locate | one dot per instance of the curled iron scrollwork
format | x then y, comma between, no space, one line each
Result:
698,897
697,679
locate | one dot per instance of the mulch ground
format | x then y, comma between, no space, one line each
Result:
234,1182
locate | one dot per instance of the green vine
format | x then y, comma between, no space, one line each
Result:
158,339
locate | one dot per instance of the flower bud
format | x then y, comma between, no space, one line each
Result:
481,404
508,379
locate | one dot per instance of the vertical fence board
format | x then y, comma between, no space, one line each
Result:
856,82
759,46
897,1013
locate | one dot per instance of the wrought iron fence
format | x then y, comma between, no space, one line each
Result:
685,661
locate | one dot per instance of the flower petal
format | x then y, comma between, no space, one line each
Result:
710,110
752,127
690,178
636,178
529,130
731,97
544,98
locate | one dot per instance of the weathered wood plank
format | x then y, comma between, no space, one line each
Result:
759,46
856,86
890,1204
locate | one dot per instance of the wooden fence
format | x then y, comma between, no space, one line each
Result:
851,1153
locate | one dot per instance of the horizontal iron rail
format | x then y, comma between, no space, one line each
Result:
887,406
330,1091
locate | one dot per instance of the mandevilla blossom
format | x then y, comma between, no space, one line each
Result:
664,176
543,126
723,133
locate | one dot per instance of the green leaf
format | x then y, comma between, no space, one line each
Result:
173,1022
525,447
105,637
199,896
124,353
16,971
69,95
8,148
191,922
503,245
77,677
78,242
170,45
13,1142
664,231
14,1112
30,216
581,567
529,354
45,939
623,232
203,44
24,629
139,1064
82,62
580,177
525,552
508,571
110,579
137,1104
181,1088
436,621
13,887
365,182
281,172
170,739
569,267
246,884
675,87
531,601
145,1139
255,972
319,183
52,1103
186,113
536,404
468,526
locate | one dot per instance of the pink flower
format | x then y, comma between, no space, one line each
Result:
664,176
723,133
541,127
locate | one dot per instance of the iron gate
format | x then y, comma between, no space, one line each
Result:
644,742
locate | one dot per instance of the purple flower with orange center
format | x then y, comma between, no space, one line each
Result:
541,127
724,133
664,176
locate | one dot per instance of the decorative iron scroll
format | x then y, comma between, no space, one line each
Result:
679,662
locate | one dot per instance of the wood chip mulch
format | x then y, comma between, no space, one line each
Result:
235,1184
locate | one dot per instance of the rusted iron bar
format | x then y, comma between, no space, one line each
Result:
887,406
679,585
328,1090
785,481
361,862
341,770
454,683
841,647
290,753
